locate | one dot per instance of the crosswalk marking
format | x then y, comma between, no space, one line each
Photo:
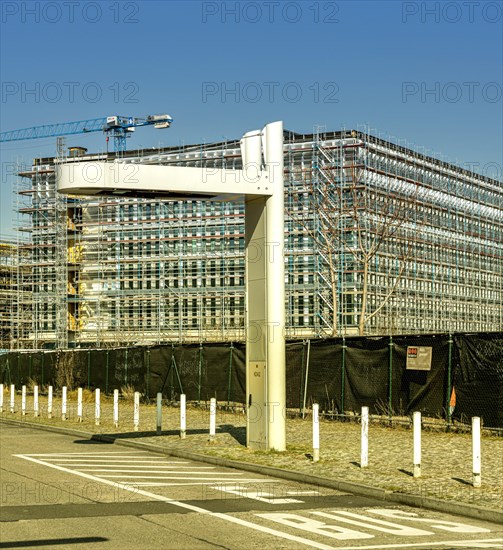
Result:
141,468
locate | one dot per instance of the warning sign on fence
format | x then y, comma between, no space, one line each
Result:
419,357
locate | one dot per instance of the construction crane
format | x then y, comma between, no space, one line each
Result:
119,127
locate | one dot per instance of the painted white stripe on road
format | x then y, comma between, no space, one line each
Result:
254,494
231,483
198,509
158,470
70,461
496,543
215,479
118,454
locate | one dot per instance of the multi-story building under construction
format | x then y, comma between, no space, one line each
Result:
380,239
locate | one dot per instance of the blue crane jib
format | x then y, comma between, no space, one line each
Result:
120,127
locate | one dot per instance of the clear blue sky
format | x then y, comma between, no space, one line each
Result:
427,73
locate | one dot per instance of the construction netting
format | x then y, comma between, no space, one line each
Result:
461,377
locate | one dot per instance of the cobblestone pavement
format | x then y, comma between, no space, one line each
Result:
446,471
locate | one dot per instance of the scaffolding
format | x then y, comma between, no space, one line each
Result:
138,271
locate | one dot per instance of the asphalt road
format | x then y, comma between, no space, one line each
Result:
57,492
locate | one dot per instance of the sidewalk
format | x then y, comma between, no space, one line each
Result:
446,457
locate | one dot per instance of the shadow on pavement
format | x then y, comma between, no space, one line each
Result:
238,433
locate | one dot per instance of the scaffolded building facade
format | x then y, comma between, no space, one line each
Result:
380,239
15,295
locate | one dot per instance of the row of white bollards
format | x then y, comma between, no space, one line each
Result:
364,450
416,427
97,407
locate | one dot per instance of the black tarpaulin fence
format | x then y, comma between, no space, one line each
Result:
342,375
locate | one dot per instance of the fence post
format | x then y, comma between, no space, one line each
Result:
199,374
343,374
449,384
12,397
136,411
1,398
183,416
42,369
64,401
416,422
79,405
159,414
147,381
88,368
476,458
306,379
49,402
106,374
213,414
229,381
116,408
390,380
301,385
97,408
23,400
364,454
35,401
316,433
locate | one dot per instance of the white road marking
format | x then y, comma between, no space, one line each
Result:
147,471
241,481
198,509
80,461
304,523
481,544
452,526
118,454
133,487
496,543
214,478
374,524
244,492
159,470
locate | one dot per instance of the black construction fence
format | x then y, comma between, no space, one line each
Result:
464,379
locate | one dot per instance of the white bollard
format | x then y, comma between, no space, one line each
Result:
79,405
136,410
12,397
97,406
416,424
64,398
159,414
64,401
49,403
23,400
116,408
1,398
364,455
477,481
316,433
35,401
213,418
183,416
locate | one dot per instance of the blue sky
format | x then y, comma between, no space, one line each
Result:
428,74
